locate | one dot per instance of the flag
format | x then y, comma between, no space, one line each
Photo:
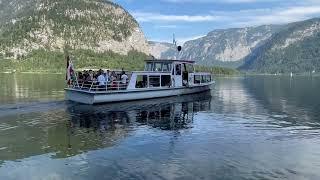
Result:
68,61
70,71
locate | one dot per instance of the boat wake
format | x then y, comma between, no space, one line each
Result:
24,108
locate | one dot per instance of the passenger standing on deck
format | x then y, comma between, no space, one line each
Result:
90,77
80,77
113,80
122,71
101,81
124,78
107,76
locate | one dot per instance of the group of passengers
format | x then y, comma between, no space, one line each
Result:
103,79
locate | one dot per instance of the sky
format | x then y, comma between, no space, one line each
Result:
191,19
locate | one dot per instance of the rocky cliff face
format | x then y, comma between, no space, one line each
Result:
227,45
54,25
157,49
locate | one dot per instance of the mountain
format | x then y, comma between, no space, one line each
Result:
158,48
96,26
224,47
296,48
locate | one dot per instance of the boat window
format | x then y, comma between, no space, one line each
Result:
197,79
142,81
208,78
149,66
203,78
157,67
154,81
190,68
178,69
165,80
184,67
166,67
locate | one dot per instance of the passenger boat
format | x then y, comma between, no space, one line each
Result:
161,78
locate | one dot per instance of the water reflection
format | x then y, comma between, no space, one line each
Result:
276,101
17,88
293,98
166,113
74,128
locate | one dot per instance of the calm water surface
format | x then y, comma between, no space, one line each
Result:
245,128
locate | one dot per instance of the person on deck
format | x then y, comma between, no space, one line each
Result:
90,77
113,79
124,77
122,71
101,81
80,77
85,75
107,76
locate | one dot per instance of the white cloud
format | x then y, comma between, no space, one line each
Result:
250,17
218,1
270,16
152,17
166,26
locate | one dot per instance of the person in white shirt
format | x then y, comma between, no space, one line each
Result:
101,81
124,78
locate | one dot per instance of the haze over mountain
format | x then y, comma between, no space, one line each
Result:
223,47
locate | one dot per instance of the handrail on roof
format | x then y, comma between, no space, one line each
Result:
170,60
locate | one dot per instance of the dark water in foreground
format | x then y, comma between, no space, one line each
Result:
246,128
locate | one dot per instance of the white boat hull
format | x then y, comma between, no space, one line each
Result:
87,97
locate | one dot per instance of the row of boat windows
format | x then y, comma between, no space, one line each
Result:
159,67
165,80
167,67
154,81
202,79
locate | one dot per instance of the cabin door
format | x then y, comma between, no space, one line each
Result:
178,75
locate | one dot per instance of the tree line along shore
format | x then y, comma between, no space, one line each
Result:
42,61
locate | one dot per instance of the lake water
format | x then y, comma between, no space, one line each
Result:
264,127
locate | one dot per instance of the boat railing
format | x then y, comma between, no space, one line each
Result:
93,86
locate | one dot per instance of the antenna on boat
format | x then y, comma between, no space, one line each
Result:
179,48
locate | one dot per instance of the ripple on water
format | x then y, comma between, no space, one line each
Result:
5,127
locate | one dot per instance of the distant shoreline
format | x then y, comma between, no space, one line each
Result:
31,72
218,75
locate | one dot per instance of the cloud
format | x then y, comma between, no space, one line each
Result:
269,16
249,17
217,1
166,26
152,17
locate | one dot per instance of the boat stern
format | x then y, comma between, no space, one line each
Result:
79,96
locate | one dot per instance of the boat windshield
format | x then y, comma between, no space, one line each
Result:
158,66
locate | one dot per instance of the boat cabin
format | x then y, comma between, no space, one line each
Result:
167,73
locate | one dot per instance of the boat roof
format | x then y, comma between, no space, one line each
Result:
169,60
